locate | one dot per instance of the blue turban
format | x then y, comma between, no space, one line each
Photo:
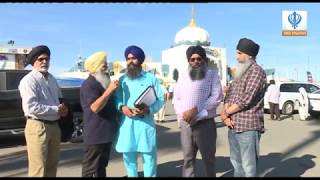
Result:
136,52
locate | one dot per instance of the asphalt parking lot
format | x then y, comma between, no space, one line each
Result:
289,148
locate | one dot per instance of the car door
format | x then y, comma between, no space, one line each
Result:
314,98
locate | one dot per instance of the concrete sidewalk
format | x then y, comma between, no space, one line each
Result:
289,148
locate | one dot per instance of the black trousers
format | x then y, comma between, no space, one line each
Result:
274,109
95,161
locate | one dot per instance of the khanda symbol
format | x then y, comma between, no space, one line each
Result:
294,19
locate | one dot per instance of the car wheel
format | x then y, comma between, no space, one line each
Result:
77,136
288,108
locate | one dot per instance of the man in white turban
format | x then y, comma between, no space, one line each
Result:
99,111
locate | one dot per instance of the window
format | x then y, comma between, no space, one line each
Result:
312,88
294,87
287,88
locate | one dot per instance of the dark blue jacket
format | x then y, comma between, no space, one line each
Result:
98,127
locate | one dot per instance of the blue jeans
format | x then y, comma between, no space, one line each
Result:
244,152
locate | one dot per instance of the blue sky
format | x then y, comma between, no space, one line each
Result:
73,29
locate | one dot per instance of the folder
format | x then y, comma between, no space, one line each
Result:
147,97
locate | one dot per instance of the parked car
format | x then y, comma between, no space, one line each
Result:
314,98
12,120
289,92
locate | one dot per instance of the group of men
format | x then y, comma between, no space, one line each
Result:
111,116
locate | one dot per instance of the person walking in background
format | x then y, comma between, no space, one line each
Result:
43,107
170,91
99,111
160,115
272,96
243,110
197,94
137,133
303,104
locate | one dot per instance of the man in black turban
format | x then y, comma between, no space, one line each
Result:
197,94
248,47
247,50
243,110
198,62
43,107
37,51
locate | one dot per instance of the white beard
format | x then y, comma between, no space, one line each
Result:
103,78
241,68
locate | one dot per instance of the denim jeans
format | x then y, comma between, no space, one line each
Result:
244,152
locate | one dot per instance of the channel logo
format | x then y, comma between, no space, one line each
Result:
294,23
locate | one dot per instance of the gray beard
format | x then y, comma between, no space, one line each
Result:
103,78
198,73
133,71
241,68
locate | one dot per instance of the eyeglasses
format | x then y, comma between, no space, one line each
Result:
43,58
195,59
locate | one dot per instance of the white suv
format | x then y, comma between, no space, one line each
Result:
289,92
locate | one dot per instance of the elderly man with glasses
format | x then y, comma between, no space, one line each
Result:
195,107
41,97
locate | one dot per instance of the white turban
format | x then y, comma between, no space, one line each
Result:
95,62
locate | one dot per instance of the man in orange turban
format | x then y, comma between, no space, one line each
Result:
99,111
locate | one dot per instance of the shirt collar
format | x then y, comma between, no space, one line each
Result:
39,74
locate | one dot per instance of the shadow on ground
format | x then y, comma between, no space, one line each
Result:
271,165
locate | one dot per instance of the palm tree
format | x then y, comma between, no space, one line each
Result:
11,42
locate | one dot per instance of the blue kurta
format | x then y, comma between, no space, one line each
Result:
137,134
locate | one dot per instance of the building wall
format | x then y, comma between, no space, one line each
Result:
176,59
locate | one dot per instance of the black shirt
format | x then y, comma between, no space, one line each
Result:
98,127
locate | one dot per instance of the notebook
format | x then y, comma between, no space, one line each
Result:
147,97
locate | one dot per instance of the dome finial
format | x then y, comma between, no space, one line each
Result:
193,22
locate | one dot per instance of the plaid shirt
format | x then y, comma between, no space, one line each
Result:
248,94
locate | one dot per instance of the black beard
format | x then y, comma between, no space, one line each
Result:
133,70
198,73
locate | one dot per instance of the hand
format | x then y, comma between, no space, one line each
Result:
127,111
193,122
113,85
229,122
223,115
63,110
141,110
190,114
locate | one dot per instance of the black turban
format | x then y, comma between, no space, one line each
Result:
248,47
35,52
196,50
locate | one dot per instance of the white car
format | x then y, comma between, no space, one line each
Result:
314,98
289,92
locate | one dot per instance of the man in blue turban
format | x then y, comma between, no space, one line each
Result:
137,132
134,67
